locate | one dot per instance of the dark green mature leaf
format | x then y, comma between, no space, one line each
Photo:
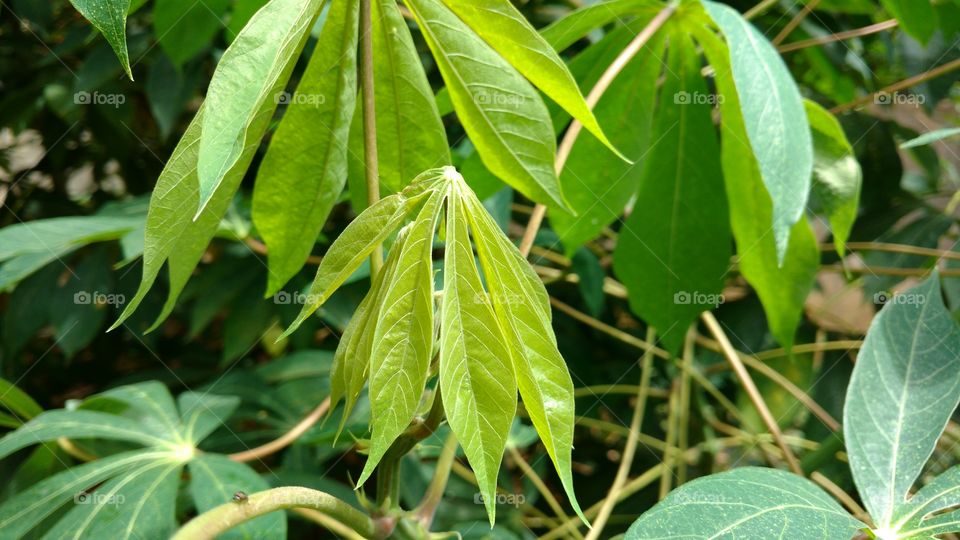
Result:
910,361
500,111
915,519
410,134
17,401
773,116
402,344
202,413
749,502
60,234
836,174
572,28
245,80
601,184
355,244
522,308
110,17
479,396
916,18
214,481
186,27
509,33
674,249
781,285
305,168
77,424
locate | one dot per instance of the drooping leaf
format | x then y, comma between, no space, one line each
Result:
403,341
17,401
479,400
748,502
917,18
836,174
215,479
600,184
244,81
355,244
500,111
509,33
186,27
58,234
931,137
781,285
773,116
674,249
909,362
580,22
305,168
110,18
522,308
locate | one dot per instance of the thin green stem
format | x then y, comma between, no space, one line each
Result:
683,439
388,472
438,484
221,519
370,156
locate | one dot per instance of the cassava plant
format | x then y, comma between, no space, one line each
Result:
677,155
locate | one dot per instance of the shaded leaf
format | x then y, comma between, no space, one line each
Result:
184,28
931,137
110,18
917,18
214,481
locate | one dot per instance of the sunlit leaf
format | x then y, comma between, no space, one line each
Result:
580,22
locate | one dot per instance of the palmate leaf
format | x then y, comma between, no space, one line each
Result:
748,502
502,113
305,167
509,33
910,362
673,251
773,116
245,79
133,493
781,285
917,517
110,18
215,479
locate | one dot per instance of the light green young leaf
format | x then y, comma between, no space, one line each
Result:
403,340
781,285
909,362
522,308
213,481
674,250
351,362
110,18
931,137
509,33
836,174
355,244
500,111
305,168
142,502
27,509
184,28
479,395
410,135
917,18
245,79
748,502
580,22
602,185
774,118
